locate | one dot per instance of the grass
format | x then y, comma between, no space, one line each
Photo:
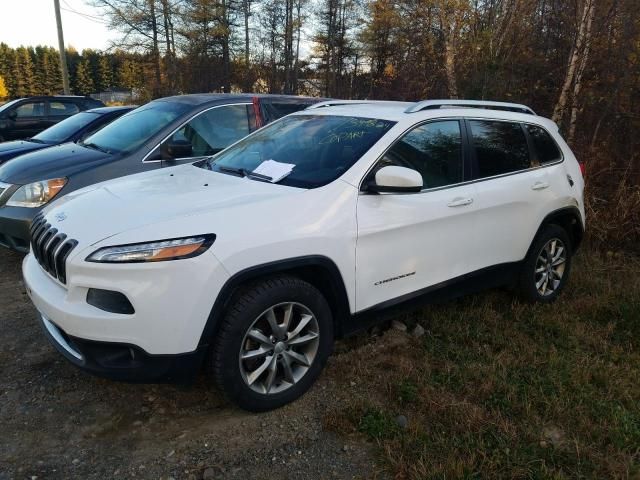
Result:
501,389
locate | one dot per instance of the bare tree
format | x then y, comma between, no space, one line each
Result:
577,61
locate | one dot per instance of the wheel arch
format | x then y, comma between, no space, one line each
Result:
568,218
319,271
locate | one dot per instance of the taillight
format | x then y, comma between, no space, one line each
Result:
583,169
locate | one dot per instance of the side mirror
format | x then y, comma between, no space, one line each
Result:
173,149
396,180
12,115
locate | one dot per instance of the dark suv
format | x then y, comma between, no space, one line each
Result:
165,132
26,117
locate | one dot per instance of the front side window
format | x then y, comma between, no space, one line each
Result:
545,147
433,149
62,109
320,147
136,127
500,147
214,130
30,109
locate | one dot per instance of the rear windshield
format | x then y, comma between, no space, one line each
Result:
62,131
321,147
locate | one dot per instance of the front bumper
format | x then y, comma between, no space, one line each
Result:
14,227
123,362
171,301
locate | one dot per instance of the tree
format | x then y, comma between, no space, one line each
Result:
105,74
4,93
25,81
575,69
83,78
144,25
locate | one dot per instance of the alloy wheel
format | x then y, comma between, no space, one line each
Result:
550,266
279,348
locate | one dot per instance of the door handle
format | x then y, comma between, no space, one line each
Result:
460,202
539,185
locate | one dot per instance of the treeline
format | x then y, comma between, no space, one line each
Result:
577,62
36,71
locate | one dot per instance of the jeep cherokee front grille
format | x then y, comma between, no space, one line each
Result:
51,248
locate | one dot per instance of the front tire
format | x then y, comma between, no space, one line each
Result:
273,342
547,266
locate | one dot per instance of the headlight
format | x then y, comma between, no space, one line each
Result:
158,251
36,194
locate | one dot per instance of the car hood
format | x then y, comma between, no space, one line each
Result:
9,150
54,162
97,212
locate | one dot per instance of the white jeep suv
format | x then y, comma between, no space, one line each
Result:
253,261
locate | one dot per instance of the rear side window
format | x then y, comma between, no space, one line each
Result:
500,147
433,149
62,109
275,110
545,147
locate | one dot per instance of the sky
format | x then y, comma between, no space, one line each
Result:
33,22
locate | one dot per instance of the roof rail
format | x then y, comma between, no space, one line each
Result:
335,103
435,104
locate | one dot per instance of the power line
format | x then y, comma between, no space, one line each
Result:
84,15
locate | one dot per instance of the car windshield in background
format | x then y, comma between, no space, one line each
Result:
5,106
66,128
136,127
321,147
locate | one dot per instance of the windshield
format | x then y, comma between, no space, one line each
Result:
8,104
136,127
66,128
319,147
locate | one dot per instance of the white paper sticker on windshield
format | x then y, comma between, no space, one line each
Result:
276,170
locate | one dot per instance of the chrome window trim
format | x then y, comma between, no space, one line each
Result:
468,182
195,115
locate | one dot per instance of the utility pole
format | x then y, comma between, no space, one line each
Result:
63,56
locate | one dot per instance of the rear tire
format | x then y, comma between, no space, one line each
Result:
273,342
547,266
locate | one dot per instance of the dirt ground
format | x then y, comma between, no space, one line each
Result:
58,422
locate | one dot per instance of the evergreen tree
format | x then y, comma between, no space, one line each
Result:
40,76
105,73
54,73
130,75
25,81
83,80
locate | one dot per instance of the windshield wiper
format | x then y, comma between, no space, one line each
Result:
35,140
93,146
245,173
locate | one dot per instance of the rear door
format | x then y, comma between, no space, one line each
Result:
408,242
512,190
59,109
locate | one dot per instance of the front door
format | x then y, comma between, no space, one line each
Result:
29,120
409,242
206,134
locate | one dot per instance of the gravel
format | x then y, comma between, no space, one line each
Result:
59,422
